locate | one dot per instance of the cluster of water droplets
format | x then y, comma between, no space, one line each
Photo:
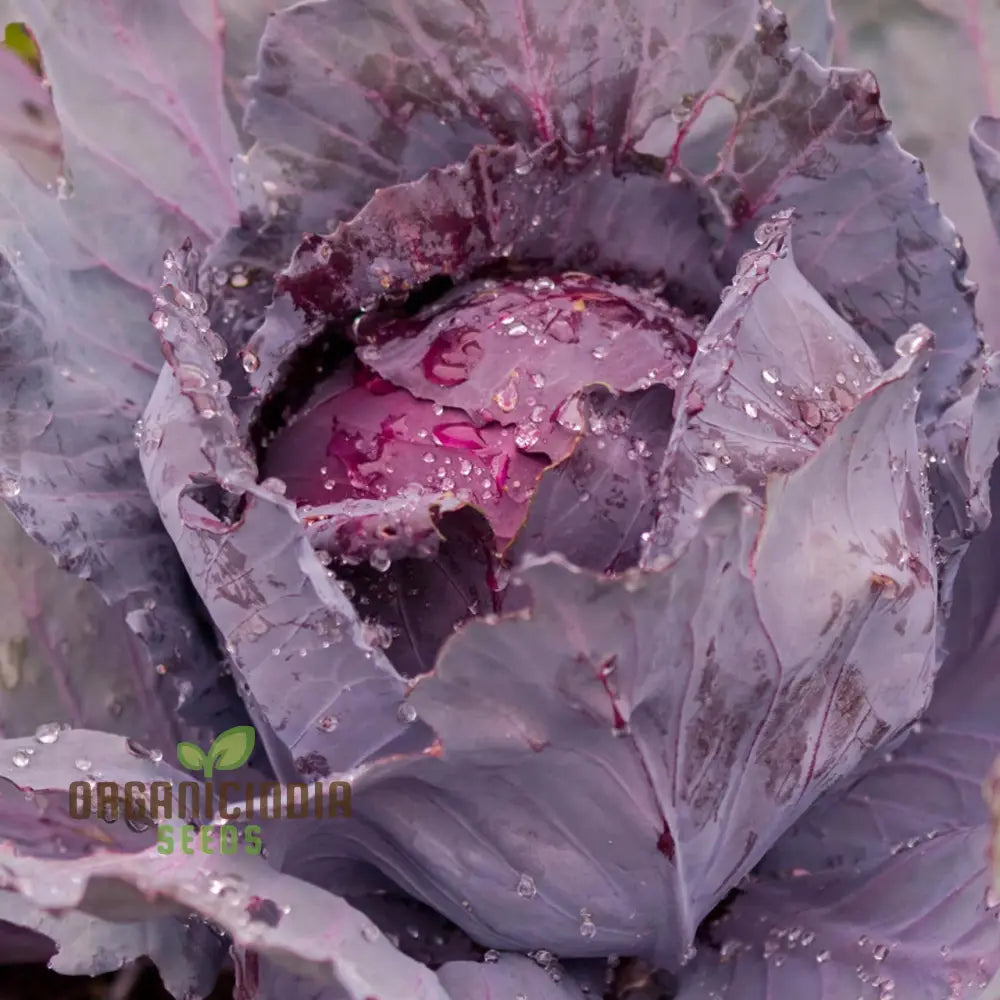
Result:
771,238
46,734
194,351
10,485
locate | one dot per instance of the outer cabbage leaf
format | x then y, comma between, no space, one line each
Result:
774,373
557,806
906,42
66,865
816,140
885,883
78,359
293,622
419,85
56,636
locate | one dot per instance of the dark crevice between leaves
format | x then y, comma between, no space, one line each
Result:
136,981
311,364
417,602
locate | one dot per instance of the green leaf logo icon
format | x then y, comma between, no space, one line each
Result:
228,751
190,756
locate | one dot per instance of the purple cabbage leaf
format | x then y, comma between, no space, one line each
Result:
115,871
56,635
78,362
904,41
884,888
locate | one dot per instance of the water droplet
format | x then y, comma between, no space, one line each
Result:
406,712
526,887
823,956
517,330
810,413
563,331
506,396
709,462
587,926
48,732
10,486
370,932
251,362
601,352
526,435
137,749
913,341
751,410
274,485
770,375
238,280
569,416
491,956
223,885
22,757
523,168
380,560
82,764
881,953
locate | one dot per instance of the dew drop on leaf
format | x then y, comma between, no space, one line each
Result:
380,560
48,732
913,341
526,887
274,485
